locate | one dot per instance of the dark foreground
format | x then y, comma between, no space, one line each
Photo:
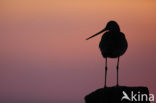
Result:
121,94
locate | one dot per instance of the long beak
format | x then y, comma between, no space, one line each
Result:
96,34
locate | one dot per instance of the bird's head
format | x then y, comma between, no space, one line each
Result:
111,26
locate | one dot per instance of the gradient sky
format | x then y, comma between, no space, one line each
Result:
44,56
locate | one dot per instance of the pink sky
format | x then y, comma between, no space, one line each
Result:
45,57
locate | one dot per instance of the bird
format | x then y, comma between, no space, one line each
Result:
113,44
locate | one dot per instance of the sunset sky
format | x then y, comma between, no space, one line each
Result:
44,57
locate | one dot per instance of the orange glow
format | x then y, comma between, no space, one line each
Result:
47,37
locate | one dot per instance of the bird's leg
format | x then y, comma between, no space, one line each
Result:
117,72
105,71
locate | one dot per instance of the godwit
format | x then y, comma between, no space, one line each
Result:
112,45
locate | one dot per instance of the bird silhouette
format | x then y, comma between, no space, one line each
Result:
113,44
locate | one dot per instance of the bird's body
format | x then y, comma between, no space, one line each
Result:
113,44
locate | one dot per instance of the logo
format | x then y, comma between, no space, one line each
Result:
125,96
137,97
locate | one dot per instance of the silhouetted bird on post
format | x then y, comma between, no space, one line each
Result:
113,44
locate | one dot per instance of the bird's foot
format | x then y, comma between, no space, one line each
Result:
117,85
105,86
